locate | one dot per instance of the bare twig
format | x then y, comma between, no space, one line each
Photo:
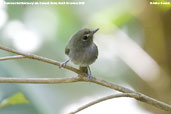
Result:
133,94
110,85
12,57
40,58
39,80
152,101
137,96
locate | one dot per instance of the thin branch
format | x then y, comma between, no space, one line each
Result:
12,57
39,80
43,59
139,96
133,95
109,85
152,101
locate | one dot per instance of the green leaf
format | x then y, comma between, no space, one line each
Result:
17,98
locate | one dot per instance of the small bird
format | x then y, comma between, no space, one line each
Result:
82,50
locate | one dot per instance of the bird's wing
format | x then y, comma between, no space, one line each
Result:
67,50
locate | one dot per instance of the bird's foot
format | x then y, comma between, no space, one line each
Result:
63,63
89,74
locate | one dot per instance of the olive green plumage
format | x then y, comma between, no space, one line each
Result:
81,49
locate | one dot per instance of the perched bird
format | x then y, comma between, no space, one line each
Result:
81,50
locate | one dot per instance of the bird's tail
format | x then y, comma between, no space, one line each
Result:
84,69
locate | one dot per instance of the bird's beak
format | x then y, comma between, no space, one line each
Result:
94,31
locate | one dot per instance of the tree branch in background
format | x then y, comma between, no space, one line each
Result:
12,57
126,92
132,95
39,80
40,58
137,96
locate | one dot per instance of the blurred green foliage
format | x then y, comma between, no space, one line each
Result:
141,22
17,98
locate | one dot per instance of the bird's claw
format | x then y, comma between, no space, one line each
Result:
62,64
90,76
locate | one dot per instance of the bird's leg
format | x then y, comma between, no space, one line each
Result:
64,63
89,73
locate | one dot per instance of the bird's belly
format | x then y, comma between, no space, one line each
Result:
83,57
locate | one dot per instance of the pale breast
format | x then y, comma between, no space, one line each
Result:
85,56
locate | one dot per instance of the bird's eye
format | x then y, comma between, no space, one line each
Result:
85,38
